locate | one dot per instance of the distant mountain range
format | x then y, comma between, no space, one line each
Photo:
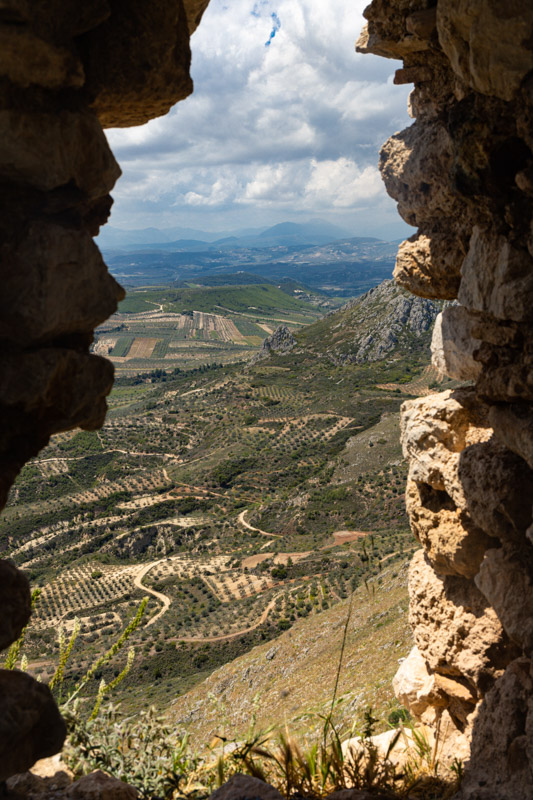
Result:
314,232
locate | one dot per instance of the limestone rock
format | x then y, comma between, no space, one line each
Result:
453,544
99,786
30,724
501,761
435,430
501,506
48,150
60,275
137,61
245,787
497,278
15,603
56,20
430,266
414,165
281,341
27,60
414,685
506,580
455,629
194,10
453,347
513,426
488,45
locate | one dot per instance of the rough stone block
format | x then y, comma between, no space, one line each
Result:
430,266
30,724
497,278
54,282
15,603
453,347
506,580
48,150
453,543
455,629
137,62
488,44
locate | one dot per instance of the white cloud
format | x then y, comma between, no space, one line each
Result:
293,126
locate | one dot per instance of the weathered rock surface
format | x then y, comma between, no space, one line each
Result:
430,267
68,68
436,430
244,787
30,724
281,341
453,347
99,786
453,544
501,761
15,602
455,628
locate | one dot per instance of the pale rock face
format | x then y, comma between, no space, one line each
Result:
414,164
453,543
430,266
504,288
456,631
415,686
453,347
435,430
463,174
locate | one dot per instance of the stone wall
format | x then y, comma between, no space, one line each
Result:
69,68
462,174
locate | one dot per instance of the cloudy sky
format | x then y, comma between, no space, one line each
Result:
285,123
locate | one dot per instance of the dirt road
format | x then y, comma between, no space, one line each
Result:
251,527
137,580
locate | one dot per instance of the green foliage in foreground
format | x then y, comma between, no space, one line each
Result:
160,762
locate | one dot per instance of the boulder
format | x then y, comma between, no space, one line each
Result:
31,726
453,348
99,786
15,602
245,787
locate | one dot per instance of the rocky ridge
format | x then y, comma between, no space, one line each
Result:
371,327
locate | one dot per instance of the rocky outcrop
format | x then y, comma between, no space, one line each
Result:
68,70
280,342
463,175
383,321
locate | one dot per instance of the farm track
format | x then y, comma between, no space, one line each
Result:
251,527
137,581
263,618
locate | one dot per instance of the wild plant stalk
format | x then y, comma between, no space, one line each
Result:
65,649
106,688
329,717
14,651
113,650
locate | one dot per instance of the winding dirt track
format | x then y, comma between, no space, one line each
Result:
233,635
251,527
137,580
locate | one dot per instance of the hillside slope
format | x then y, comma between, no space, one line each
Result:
294,676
